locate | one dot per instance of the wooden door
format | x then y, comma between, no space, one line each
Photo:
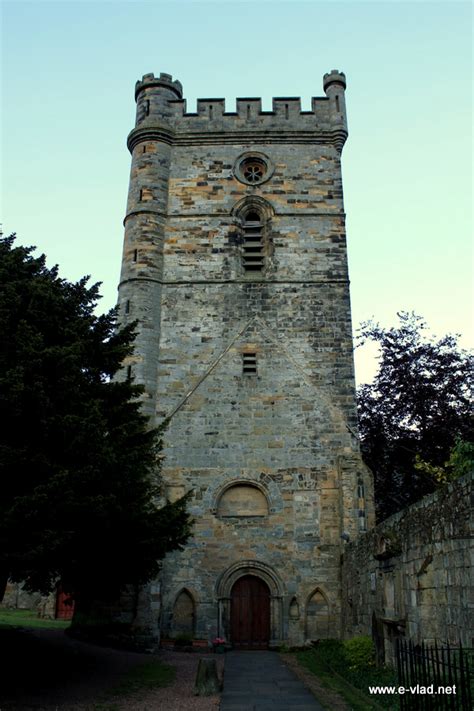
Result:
64,605
250,613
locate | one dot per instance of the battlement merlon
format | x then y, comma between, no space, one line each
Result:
160,106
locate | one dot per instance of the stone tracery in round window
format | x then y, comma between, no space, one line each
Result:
253,168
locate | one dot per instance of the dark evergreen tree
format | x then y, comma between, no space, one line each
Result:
79,465
416,410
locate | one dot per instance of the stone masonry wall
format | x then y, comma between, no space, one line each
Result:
411,575
278,447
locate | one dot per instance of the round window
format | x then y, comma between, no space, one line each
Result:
253,168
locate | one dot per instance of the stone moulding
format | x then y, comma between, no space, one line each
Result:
165,134
260,570
253,201
337,137
269,490
249,567
161,133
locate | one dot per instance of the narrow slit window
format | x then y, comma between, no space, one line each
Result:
253,257
135,255
145,195
147,107
248,111
337,103
286,111
127,306
249,363
129,372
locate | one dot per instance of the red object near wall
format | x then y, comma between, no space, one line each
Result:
64,605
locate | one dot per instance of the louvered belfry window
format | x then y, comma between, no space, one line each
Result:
249,363
252,247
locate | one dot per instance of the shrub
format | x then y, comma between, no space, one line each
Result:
359,653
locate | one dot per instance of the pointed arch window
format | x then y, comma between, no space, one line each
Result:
184,613
253,252
317,616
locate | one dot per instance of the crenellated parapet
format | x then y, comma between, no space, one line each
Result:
162,115
163,81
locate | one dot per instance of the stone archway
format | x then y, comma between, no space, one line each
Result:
269,579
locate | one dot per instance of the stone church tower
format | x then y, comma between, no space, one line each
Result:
235,266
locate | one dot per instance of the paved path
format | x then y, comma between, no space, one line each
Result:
260,681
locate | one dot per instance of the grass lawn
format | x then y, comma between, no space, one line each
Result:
50,668
148,676
29,618
145,677
333,672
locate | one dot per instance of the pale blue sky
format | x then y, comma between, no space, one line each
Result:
69,70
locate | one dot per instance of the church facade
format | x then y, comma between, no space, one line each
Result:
235,266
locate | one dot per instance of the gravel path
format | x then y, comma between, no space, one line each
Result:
179,696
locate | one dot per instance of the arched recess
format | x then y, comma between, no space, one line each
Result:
266,486
294,609
242,499
253,215
184,614
252,203
256,569
317,618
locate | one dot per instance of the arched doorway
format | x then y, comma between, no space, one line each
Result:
250,613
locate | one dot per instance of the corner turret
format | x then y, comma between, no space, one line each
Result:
153,95
334,84
164,81
334,77
142,263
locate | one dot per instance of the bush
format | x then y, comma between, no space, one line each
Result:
359,653
332,652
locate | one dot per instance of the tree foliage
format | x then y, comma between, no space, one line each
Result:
78,462
460,462
416,410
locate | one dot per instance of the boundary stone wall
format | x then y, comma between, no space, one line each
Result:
411,575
